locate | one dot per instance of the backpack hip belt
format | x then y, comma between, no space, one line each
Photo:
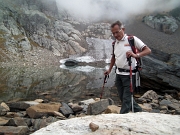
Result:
126,70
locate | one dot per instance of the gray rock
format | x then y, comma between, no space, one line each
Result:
174,106
165,72
163,107
40,123
28,122
16,122
152,95
98,107
111,102
21,130
75,107
154,105
71,62
3,121
66,110
87,102
4,109
22,105
155,111
162,23
15,114
165,102
178,111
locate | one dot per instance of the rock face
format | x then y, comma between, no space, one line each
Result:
162,23
98,30
37,32
163,69
37,23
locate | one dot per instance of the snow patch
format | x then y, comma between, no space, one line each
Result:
86,59
79,68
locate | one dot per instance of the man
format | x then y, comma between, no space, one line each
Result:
122,50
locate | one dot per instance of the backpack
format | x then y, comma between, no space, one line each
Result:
134,49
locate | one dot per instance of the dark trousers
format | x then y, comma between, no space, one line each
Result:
123,86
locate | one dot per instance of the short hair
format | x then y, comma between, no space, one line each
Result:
117,23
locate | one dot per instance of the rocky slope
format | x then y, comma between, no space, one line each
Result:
37,33
25,25
90,116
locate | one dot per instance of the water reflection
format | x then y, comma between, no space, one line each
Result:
53,83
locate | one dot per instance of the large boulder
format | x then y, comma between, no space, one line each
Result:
70,62
166,24
131,123
161,71
98,106
42,109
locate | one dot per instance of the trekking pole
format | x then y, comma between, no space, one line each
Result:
131,84
105,81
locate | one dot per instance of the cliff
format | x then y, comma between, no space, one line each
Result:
37,32
26,26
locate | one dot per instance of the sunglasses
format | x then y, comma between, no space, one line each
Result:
113,34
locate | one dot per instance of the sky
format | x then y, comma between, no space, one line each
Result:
113,9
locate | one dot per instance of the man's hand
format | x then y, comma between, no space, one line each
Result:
131,54
107,72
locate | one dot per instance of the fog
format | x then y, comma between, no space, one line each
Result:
114,9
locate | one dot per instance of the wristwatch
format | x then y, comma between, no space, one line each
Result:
138,55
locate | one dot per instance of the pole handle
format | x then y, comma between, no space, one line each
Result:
105,78
105,81
129,61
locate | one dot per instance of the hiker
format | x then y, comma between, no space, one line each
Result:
121,51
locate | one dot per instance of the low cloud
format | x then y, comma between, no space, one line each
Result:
114,9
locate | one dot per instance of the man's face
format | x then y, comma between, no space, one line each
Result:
117,32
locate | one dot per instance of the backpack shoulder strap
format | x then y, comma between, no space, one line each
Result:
131,42
134,49
113,43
